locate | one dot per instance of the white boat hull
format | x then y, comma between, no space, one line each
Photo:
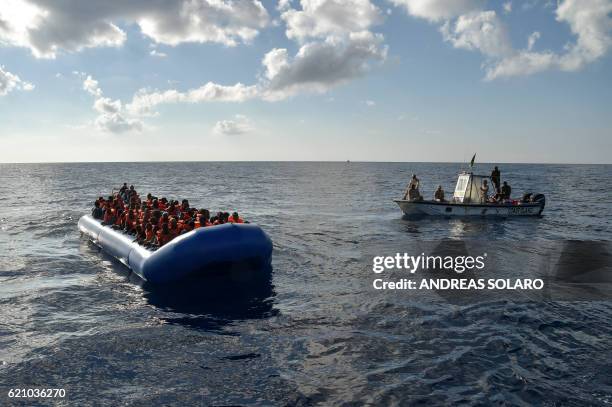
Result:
449,209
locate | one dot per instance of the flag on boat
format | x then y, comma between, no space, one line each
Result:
472,162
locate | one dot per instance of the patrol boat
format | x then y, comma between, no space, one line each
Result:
466,201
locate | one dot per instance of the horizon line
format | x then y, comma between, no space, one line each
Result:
299,161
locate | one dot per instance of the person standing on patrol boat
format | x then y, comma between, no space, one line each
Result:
496,178
412,185
484,192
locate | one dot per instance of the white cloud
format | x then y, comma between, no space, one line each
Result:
589,20
437,10
531,40
239,125
322,18
481,31
10,82
484,32
112,116
370,103
158,54
106,105
319,66
145,101
117,123
336,45
466,25
91,86
335,42
521,63
283,5
47,27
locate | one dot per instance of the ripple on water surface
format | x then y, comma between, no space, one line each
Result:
71,317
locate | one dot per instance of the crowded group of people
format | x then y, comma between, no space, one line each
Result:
501,195
154,222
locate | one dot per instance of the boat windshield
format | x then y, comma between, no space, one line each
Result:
462,183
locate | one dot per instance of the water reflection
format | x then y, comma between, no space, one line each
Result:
215,300
224,295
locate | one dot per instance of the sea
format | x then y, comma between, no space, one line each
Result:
73,318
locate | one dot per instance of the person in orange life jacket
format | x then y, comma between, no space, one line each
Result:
204,217
118,202
109,216
146,216
119,215
184,205
187,227
186,215
154,221
149,234
163,203
163,235
163,219
155,231
172,209
129,223
173,227
140,235
235,218
202,221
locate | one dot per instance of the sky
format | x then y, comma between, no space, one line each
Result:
360,80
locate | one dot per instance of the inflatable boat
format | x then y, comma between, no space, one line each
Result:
194,254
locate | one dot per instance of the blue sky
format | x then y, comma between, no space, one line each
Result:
388,80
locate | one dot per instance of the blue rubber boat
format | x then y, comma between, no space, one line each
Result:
194,254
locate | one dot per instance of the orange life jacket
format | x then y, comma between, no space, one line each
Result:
162,239
174,232
232,220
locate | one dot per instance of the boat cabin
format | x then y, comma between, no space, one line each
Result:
468,186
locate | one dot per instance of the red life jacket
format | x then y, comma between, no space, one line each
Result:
162,239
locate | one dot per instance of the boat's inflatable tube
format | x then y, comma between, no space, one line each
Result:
192,254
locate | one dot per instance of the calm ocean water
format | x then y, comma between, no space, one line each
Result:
72,318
